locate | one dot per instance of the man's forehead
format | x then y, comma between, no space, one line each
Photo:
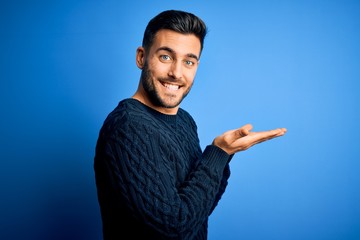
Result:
179,43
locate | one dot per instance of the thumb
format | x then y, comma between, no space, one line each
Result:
241,132
245,130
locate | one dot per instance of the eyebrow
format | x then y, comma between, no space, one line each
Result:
190,55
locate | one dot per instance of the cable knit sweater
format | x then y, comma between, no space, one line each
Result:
153,181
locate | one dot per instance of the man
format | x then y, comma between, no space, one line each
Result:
153,180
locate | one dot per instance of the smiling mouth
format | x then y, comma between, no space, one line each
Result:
170,86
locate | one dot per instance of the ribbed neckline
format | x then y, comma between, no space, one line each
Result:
169,118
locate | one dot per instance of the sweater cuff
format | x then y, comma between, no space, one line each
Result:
215,157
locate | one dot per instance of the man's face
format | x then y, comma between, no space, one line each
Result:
169,69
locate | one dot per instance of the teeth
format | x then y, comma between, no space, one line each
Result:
171,87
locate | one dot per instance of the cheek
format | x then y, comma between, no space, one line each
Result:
159,70
190,75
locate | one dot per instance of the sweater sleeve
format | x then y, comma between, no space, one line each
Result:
226,173
140,180
223,184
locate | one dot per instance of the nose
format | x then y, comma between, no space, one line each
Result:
175,70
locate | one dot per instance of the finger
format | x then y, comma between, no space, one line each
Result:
241,132
280,131
245,130
276,132
258,137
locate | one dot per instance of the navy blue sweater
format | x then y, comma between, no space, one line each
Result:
153,181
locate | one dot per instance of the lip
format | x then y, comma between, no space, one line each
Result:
170,86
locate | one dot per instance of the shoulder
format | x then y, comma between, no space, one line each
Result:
130,116
127,114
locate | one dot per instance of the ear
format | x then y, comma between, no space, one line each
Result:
140,57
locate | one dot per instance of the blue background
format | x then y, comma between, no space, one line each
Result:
64,65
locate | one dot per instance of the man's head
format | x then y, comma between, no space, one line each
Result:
169,58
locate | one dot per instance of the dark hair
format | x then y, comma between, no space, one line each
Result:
175,20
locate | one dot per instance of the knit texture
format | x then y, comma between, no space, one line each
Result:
153,181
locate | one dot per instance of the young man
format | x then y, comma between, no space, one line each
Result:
153,180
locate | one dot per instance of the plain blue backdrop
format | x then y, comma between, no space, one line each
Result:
64,65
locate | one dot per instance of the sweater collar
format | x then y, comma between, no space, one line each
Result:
165,117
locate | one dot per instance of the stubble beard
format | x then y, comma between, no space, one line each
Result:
152,92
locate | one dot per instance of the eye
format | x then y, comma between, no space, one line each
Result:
189,63
165,58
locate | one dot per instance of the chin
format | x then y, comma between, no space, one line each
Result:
173,103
